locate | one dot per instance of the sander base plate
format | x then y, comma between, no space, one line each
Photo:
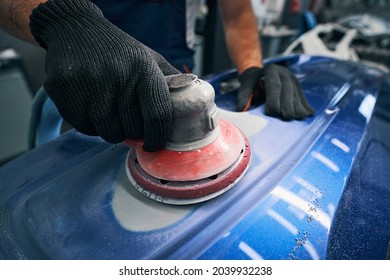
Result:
187,192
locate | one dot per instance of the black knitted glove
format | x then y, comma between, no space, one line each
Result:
103,81
278,86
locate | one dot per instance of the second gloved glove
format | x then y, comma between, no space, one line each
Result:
103,81
283,94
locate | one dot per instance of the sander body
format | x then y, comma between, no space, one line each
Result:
204,157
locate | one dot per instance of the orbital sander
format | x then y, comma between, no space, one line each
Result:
204,157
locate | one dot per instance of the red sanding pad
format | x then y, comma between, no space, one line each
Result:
193,164
199,188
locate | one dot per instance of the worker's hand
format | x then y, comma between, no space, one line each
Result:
278,86
103,81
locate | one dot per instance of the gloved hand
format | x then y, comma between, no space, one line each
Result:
103,81
277,85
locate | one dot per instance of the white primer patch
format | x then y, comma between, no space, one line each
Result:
248,123
136,212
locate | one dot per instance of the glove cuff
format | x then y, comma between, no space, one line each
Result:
55,17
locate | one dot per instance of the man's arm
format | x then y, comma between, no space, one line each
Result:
15,17
242,37
282,92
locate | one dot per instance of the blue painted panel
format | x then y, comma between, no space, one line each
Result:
71,199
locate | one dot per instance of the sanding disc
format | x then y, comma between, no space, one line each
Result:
194,164
197,189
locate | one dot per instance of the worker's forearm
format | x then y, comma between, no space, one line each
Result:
242,36
14,17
